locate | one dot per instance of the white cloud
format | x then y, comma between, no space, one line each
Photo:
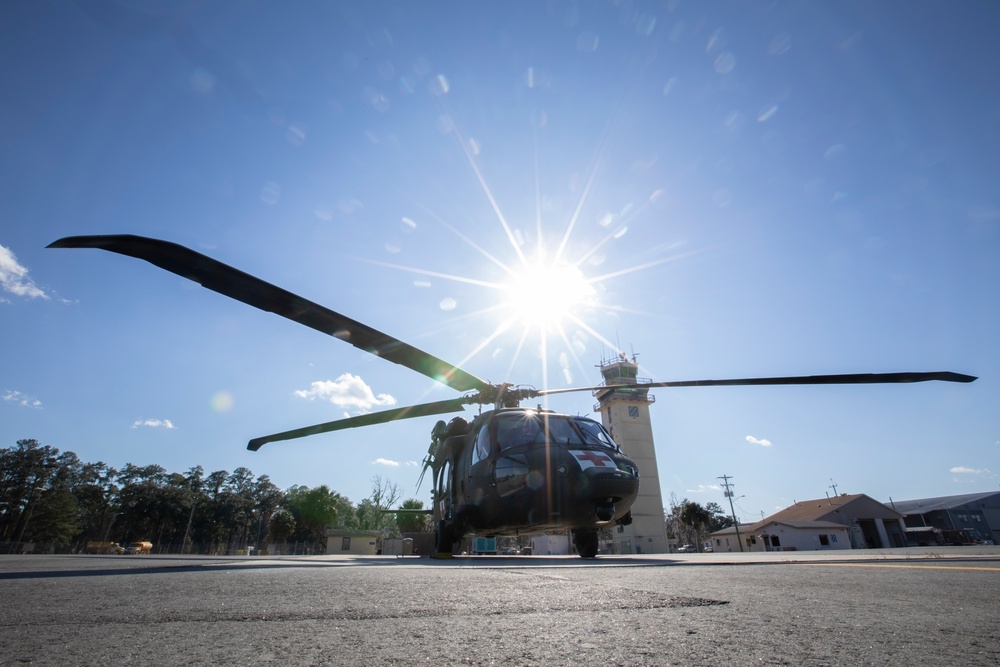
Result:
758,441
347,391
18,398
702,488
386,462
969,471
14,277
153,423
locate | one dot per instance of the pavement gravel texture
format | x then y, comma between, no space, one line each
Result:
497,611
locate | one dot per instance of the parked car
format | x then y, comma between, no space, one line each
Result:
139,548
687,549
103,548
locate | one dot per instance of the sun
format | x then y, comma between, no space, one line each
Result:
545,295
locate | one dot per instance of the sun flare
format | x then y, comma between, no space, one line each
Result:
545,295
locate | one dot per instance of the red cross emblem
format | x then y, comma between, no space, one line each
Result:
593,459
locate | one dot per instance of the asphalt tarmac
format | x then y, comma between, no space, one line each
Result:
908,607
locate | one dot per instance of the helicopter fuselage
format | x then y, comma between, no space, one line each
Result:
521,471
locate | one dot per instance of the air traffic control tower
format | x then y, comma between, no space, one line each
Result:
625,414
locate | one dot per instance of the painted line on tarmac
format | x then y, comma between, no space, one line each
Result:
910,567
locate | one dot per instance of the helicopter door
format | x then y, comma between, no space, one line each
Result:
444,502
480,482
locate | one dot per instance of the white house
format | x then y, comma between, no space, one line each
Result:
351,542
842,522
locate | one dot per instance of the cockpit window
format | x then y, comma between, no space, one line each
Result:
482,450
525,428
594,433
518,429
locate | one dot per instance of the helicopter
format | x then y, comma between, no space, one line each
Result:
509,471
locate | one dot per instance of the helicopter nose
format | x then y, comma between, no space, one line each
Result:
605,510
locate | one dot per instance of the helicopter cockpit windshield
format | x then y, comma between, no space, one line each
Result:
526,428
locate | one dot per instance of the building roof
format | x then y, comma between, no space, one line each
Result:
808,524
818,513
823,508
925,505
731,530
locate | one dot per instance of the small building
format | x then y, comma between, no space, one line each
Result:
843,522
409,544
341,542
550,545
727,541
803,536
974,516
872,525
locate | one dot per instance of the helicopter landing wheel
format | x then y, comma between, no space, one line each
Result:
585,542
444,540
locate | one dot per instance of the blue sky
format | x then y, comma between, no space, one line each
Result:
751,189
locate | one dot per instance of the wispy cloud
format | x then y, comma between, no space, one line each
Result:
386,462
14,277
758,441
347,391
962,470
17,398
704,488
153,423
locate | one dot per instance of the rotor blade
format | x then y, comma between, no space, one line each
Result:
853,378
422,410
253,291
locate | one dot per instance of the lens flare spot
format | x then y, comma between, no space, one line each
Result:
725,63
780,45
767,113
295,135
440,85
222,401
645,25
270,193
202,82
587,42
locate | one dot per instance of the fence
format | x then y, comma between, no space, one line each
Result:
284,549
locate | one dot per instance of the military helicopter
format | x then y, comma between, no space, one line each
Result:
511,470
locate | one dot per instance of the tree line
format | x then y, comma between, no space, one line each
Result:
59,503
689,522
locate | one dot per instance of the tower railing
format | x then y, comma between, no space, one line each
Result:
624,395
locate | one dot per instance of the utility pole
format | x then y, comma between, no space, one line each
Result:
729,494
